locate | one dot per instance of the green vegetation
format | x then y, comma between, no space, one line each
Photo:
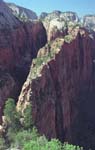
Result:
67,146
12,116
28,123
22,137
51,50
42,143
39,62
9,110
2,144
26,137
68,38
37,67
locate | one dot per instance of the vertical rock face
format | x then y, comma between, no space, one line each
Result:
7,88
7,20
21,12
89,22
19,44
60,90
19,48
18,41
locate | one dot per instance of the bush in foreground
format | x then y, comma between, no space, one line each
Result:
43,144
26,137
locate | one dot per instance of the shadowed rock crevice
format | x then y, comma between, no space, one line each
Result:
81,50
59,119
34,38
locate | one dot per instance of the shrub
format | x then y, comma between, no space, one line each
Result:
67,146
43,144
10,135
23,136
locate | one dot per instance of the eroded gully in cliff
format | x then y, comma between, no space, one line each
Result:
60,133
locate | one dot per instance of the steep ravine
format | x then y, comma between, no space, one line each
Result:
16,53
60,90
19,44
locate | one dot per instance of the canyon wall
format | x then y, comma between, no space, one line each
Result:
19,44
60,90
60,86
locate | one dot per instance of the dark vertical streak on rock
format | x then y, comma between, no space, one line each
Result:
81,55
59,115
58,110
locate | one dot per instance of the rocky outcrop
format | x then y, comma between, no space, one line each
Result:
43,15
19,44
69,16
59,21
7,20
22,13
89,22
56,23
59,89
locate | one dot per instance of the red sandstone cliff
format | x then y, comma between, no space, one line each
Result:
19,44
60,90
19,41
60,83
17,49
7,87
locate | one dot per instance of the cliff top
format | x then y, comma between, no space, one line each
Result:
7,19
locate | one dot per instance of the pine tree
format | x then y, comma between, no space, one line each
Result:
11,114
28,123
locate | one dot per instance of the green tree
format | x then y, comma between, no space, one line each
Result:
2,144
43,144
28,123
21,137
11,114
9,110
